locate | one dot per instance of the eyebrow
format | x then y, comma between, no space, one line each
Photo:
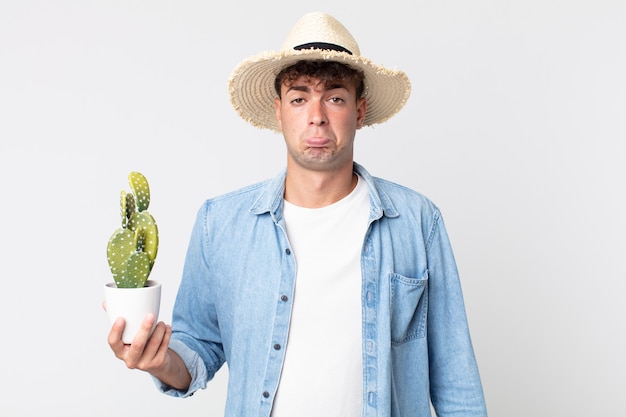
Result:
307,88
298,88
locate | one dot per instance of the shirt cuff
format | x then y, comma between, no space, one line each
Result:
194,365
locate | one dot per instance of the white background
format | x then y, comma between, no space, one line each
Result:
515,128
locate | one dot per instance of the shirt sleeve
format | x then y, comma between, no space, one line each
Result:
455,382
194,365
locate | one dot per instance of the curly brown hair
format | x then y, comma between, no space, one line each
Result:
327,72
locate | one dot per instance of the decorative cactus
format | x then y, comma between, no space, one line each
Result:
132,248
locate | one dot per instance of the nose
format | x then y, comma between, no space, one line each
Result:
317,114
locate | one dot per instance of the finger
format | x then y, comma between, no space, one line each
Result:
140,340
165,346
162,358
104,305
153,357
165,343
115,336
152,346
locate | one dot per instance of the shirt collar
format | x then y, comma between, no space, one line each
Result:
271,198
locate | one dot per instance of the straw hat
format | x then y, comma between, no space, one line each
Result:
315,36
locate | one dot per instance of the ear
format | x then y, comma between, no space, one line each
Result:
361,109
278,113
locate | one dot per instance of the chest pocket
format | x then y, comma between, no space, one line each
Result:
409,306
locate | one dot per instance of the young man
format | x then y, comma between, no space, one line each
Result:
327,291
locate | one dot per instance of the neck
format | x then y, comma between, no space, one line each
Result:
314,189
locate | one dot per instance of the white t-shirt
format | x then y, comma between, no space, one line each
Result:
322,374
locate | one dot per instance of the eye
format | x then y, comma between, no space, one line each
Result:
298,100
336,100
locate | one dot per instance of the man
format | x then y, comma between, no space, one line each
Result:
327,291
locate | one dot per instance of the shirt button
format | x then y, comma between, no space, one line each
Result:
266,394
284,298
277,346
288,251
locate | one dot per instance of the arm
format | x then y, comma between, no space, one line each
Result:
455,382
185,362
150,353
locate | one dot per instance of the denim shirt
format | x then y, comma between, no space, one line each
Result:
235,298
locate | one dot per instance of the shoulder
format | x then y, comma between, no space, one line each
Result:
395,199
230,213
403,197
232,203
411,209
240,195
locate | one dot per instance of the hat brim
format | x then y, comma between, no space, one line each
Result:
252,94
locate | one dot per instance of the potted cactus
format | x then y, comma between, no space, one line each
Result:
131,252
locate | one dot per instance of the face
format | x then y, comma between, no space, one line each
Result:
319,123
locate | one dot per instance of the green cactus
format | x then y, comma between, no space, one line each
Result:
132,248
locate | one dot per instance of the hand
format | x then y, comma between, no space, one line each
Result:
150,353
147,352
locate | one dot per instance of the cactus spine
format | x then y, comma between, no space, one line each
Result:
132,248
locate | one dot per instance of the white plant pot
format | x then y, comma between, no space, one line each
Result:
133,304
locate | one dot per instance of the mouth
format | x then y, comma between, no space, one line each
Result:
317,142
